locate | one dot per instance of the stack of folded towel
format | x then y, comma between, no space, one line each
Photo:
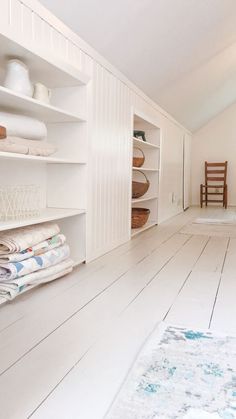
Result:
30,256
24,135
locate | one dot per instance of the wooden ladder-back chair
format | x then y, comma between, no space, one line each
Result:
215,184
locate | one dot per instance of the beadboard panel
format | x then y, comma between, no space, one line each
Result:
111,103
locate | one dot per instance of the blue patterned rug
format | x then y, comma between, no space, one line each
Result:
180,373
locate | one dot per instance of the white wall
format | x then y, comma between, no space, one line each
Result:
216,141
111,98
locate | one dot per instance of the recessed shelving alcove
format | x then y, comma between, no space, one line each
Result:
151,168
62,177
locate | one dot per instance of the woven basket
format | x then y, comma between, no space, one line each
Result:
138,161
139,217
140,188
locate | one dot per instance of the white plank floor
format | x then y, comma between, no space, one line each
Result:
66,347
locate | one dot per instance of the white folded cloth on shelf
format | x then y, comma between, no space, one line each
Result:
18,239
13,270
23,126
24,146
10,290
36,250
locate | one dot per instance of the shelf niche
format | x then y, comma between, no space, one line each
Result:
151,168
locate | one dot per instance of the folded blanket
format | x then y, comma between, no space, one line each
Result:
36,250
24,146
18,239
12,270
23,126
10,290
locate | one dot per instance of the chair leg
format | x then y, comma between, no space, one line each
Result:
226,197
206,196
201,195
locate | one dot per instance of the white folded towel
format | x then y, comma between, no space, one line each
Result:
23,126
24,146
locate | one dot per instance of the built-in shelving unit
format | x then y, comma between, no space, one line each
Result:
151,169
61,177
48,214
145,169
144,144
28,158
144,199
144,228
20,104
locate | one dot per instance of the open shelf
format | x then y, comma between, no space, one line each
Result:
144,144
145,169
24,105
137,200
136,231
40,159
43,64
151,154
48,214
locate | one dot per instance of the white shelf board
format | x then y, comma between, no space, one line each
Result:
48,214
144,144
136,231
145,169
24,105
150,198
44,66
26,157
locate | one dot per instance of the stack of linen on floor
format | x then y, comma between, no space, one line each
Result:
30,256
24,135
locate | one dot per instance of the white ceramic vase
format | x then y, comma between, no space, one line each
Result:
17,78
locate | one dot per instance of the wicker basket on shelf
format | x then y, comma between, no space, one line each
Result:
140,188
139,217
138,161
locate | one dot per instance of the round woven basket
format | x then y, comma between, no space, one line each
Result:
138,161
140,188
139,217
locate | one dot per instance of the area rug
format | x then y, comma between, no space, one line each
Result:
210,229
180,373
217,216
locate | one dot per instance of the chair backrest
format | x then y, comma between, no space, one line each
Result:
216,172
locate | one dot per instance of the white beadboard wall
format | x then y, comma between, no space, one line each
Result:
111,101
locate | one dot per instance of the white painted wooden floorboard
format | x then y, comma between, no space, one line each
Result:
225,308
50,360
109,359
22,336
32,301
194,305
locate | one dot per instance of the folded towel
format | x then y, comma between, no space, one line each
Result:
18,239
24,146
36,250
12,270
23,126
10,290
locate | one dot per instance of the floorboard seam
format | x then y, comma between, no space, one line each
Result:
186,279
219,284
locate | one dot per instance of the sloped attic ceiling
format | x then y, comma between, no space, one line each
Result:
181,53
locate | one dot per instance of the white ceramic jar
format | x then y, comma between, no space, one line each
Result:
17,78
42,93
